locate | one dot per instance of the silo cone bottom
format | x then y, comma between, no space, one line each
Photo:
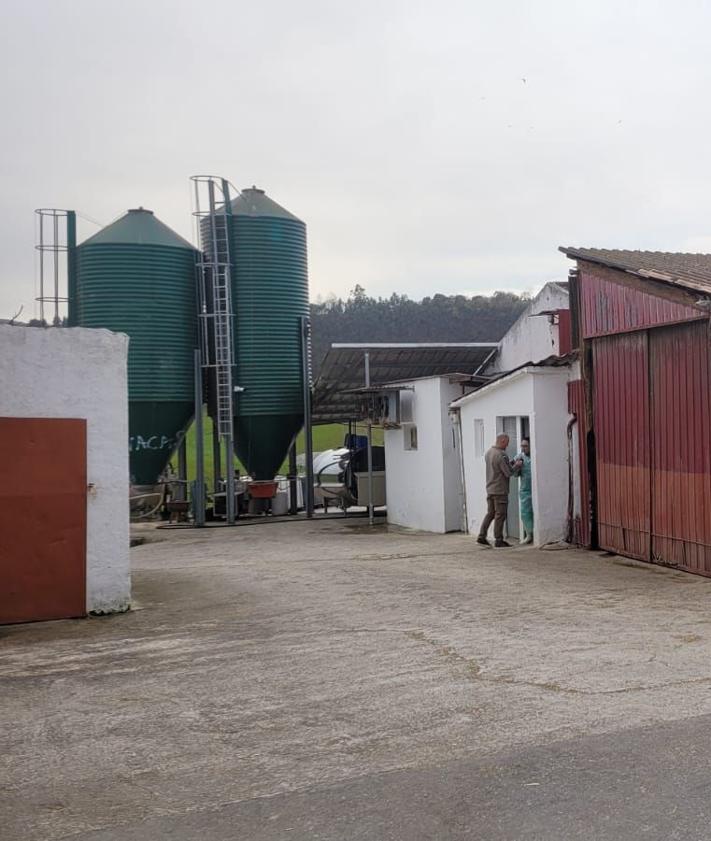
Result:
155,429
262,442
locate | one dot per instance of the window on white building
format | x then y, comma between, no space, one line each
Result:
410,434
407,406
479,440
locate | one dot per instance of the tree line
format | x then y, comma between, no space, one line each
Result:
440,318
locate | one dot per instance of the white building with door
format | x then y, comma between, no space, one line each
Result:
434,457
530,402
422,463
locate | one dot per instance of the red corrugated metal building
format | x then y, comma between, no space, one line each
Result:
643,404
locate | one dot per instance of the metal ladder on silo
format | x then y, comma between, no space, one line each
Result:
222,309
213,231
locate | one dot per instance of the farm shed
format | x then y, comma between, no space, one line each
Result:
643,404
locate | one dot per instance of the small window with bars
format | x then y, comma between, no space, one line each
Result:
479,440
410,434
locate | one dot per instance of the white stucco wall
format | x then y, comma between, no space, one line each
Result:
81,373
541,395
532,337
423,487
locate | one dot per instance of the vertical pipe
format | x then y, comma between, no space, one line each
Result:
216,457
199,487
55,257
227,269
182,470
41,264
308,430
71,268
293,481
371,507
230,480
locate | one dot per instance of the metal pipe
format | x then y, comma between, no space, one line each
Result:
230,481
71,267
199,487
41,265
55,256
293,481
182,470
371,507
308,428
216,458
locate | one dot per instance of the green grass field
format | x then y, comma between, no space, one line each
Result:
325,437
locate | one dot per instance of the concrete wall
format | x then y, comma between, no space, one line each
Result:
532,337
80,373
423,487
541,395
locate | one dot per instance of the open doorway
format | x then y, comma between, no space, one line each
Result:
516,427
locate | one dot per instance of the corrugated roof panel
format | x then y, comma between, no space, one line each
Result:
343,370
692,271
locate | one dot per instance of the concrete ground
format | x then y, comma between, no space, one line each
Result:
328,680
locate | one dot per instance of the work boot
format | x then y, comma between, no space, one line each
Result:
483,541
501,543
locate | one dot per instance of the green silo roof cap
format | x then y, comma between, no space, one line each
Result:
138,227
255,202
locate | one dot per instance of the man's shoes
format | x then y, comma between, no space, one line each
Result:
501,543
482,541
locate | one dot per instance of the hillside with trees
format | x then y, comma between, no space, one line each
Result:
440,318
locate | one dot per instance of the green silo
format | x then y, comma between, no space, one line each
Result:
270,295
137,276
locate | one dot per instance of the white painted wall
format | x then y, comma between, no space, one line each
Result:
541,395
81,373
423,486
532,338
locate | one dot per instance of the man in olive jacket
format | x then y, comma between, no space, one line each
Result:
498,472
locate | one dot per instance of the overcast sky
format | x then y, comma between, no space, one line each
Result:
429,146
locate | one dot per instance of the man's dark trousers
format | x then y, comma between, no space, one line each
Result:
496,508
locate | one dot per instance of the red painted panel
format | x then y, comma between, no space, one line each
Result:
680,376
608,307
42,519
576,407
622,443
565,333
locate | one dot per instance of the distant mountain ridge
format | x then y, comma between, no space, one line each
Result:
440,318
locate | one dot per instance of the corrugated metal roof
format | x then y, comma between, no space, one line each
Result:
692,271
548,362
343,370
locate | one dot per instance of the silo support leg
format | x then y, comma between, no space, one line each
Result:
293,480
199,486
181,494
216,458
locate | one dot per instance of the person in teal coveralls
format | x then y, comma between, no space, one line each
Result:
525,497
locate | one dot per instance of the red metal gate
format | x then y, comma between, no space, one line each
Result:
42,519
622,443
680,385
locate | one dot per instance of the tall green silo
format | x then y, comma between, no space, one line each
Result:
270,295
137,276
